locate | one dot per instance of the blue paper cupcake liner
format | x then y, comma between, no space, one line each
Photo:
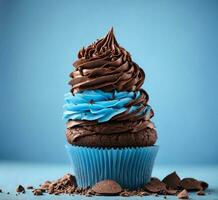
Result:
130,167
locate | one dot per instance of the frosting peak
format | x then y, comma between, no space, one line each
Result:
107,66
103,46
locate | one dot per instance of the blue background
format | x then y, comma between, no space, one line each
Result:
174,41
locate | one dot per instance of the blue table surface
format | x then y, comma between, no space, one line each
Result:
12,174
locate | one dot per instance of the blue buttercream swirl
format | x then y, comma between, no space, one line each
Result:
100,105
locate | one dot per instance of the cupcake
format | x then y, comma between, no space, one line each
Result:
109,130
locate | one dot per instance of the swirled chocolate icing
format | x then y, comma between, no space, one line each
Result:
107,66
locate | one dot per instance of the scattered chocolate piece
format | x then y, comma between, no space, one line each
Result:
20,189
204,185
155,186
30,187
64,185
67,185
172,181
68,179
125,193
201,193
190,184
0,190
90,192
37,192
183,195
140,192
45,185
107,187
8,192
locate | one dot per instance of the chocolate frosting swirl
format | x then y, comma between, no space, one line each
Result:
107,66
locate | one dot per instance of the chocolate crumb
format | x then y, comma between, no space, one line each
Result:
37,192
91,101
0,190
8,192
183,194
20,189
30,187
45,185
125,194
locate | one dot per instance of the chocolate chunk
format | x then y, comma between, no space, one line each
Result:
107,187
45,185
37,192
69,180
204,185
20,189
64,185
30,187
190,184
183,195
172,180
155,186
201,193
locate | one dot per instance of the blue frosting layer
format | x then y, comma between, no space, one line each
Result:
99,105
